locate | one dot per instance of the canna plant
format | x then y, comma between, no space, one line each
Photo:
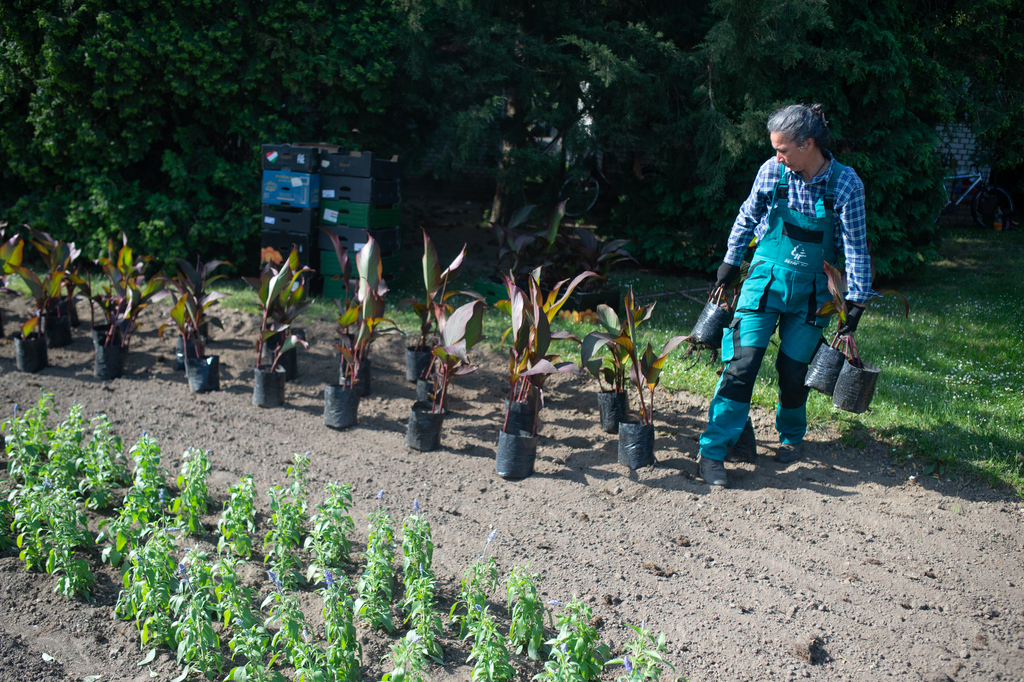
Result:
349,286
331,525
238,521
11,253
434,306
191,301
459,333
282,297
531,314
597,257
645,368
193,502
610,365
124,295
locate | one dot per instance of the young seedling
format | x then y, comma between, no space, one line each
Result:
103,465
193,502
68,530
252,643
408,660
526,633
237,520
288,518
194,607
480,578
576,647
644,657
292,631
489,650
332,524
344,652
234,600
417,544
150,578
377,582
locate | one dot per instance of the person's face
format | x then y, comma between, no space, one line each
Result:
795,157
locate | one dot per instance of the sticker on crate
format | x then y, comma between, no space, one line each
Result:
328,194
330,215
271,157
269,219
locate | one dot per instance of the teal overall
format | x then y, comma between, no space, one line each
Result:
785,287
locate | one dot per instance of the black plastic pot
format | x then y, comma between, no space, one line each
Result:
364,376
30,353
636,444
424,430
99,335
516,454
745,449
203,374
520,416
712,322
424,390
57,329
109,361
824,369
855,387
613,407
290,358
417,362
268,387
179,352
341,406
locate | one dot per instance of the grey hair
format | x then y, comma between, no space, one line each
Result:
801,123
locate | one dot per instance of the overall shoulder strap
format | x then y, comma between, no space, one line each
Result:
781,188
830,188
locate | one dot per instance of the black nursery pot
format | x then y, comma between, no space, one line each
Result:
100,333
520,416
824,369
424,391
363,377
424,430
57,329
290,358
613,407
636,444
517,452
30,354
855,387
712,322
341,406
109,361
180,350
268,387
203,374
417,362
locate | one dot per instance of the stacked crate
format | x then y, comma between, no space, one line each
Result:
360,197
291,200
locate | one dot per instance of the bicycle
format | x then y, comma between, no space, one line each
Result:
988,202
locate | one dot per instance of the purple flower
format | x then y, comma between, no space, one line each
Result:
414,637
47,483
553,602
305,636
162,497
564,649
629,666
144,433
490,538
15,410
380,495
277,583
479,608
329,578
181,568
416,506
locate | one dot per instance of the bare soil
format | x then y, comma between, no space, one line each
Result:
833,568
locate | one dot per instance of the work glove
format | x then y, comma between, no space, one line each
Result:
727,274
853,313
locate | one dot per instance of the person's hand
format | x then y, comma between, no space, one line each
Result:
853,313
727,274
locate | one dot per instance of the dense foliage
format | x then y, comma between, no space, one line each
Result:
149,119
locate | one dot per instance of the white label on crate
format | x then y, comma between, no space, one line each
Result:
327,193
329,215
357,247
325,164
296,182
300,158
269,219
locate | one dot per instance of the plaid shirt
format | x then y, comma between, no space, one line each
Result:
850,230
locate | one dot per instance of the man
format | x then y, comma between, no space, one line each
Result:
805,208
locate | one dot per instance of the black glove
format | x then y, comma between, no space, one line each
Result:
853,313
727,274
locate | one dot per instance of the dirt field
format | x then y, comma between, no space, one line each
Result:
833,568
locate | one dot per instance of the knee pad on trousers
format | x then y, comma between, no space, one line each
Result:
738,379
792,392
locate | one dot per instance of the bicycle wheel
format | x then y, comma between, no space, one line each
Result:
986,201
579,195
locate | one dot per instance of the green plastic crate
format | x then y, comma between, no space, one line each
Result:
367,216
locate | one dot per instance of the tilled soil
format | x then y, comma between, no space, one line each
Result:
833,568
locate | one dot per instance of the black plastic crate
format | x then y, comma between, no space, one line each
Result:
280,245
353,238
359,165
360,190
291,157
290,219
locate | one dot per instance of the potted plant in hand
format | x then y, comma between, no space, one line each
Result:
192,299
460,331
11,253
431,309
530,365
282,296
366,314
836,368
636,438
125,294
714,318
59,258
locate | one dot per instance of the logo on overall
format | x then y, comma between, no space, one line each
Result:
798,255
